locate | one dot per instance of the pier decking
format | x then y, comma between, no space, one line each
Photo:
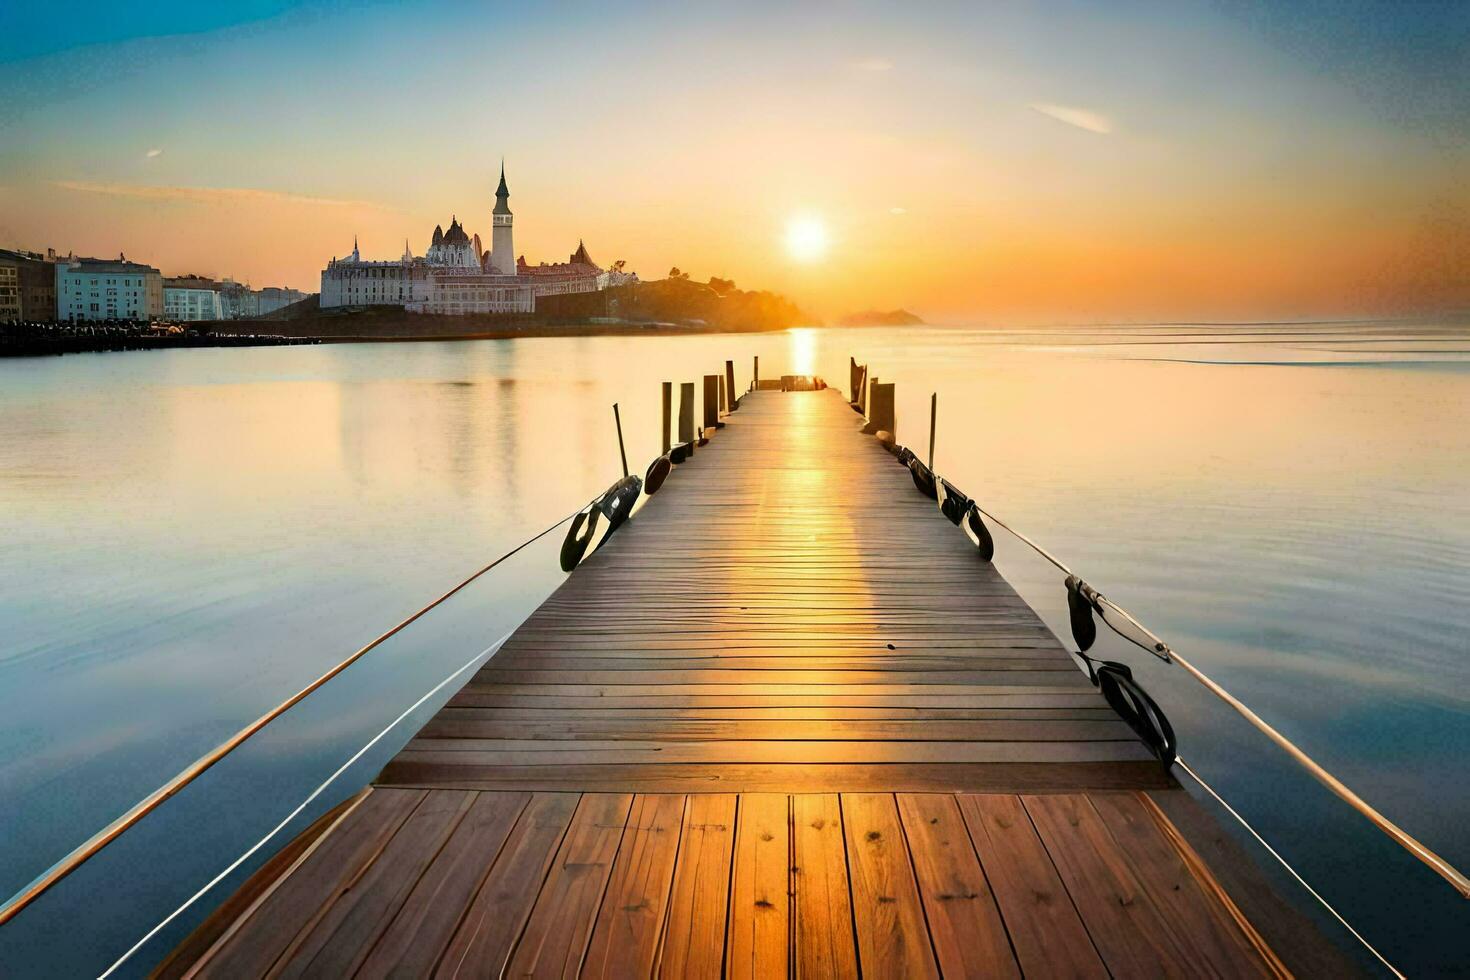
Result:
785,724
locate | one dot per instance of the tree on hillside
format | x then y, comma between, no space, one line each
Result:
721,286
674,273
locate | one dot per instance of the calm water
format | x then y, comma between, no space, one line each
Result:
190,536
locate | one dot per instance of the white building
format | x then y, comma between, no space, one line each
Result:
456,277
189,299
100,289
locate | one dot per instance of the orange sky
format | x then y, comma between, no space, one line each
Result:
1012,166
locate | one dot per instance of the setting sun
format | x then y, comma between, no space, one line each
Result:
806,238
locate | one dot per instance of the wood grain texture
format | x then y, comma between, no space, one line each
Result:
758,941
824,941
555,938
968,935
699,902
1046,932
630,923
892,935
488,929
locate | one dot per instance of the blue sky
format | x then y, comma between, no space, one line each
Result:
965,157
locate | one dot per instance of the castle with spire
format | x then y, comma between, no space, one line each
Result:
457,276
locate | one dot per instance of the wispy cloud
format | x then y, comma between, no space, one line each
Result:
1093,122
208,195
874,64
898,210
153,153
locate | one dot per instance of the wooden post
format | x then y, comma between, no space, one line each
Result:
724,397
668,414
711,401
881,414
686,414
933,414
733,402
622,453
854,379
755,374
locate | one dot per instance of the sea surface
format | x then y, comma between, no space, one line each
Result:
188,537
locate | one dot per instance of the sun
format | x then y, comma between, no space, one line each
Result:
806,238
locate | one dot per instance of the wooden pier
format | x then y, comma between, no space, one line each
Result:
786,723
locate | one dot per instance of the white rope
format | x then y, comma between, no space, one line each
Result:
303,805
1272,851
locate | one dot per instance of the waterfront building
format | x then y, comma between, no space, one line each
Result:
189,299
456,276
107,289
34,276
272,298
9,292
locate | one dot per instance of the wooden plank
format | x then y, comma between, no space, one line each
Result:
255,890
892,936
1046,932
339,941
629,925
787,778
758,942
532,752
1122,917
253,947
419,933
824,944
964,924
555,938
486,935
448,725
1199,920
699,900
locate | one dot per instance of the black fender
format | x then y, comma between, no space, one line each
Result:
658,472
954,504
983,540
923,478
579,536
1084,630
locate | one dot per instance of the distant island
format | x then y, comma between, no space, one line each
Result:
881,318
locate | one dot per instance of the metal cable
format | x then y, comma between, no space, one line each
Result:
1272,851
477,658
90,847
1403,838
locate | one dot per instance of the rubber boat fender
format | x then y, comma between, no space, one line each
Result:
954,503
1134,705
681,452
923,478
617,503
983,540
903,454
658,472
1079,605
579,536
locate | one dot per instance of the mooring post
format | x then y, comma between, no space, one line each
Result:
622,453
668,414
711,401
733,402
724,397
933,413
881,417
755,373
686,415
853,379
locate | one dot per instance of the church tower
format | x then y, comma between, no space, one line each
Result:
502,247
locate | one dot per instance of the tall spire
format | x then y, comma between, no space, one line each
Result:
502,193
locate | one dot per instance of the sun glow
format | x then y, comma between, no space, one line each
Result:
806,238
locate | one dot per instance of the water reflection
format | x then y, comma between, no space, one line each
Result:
193,534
